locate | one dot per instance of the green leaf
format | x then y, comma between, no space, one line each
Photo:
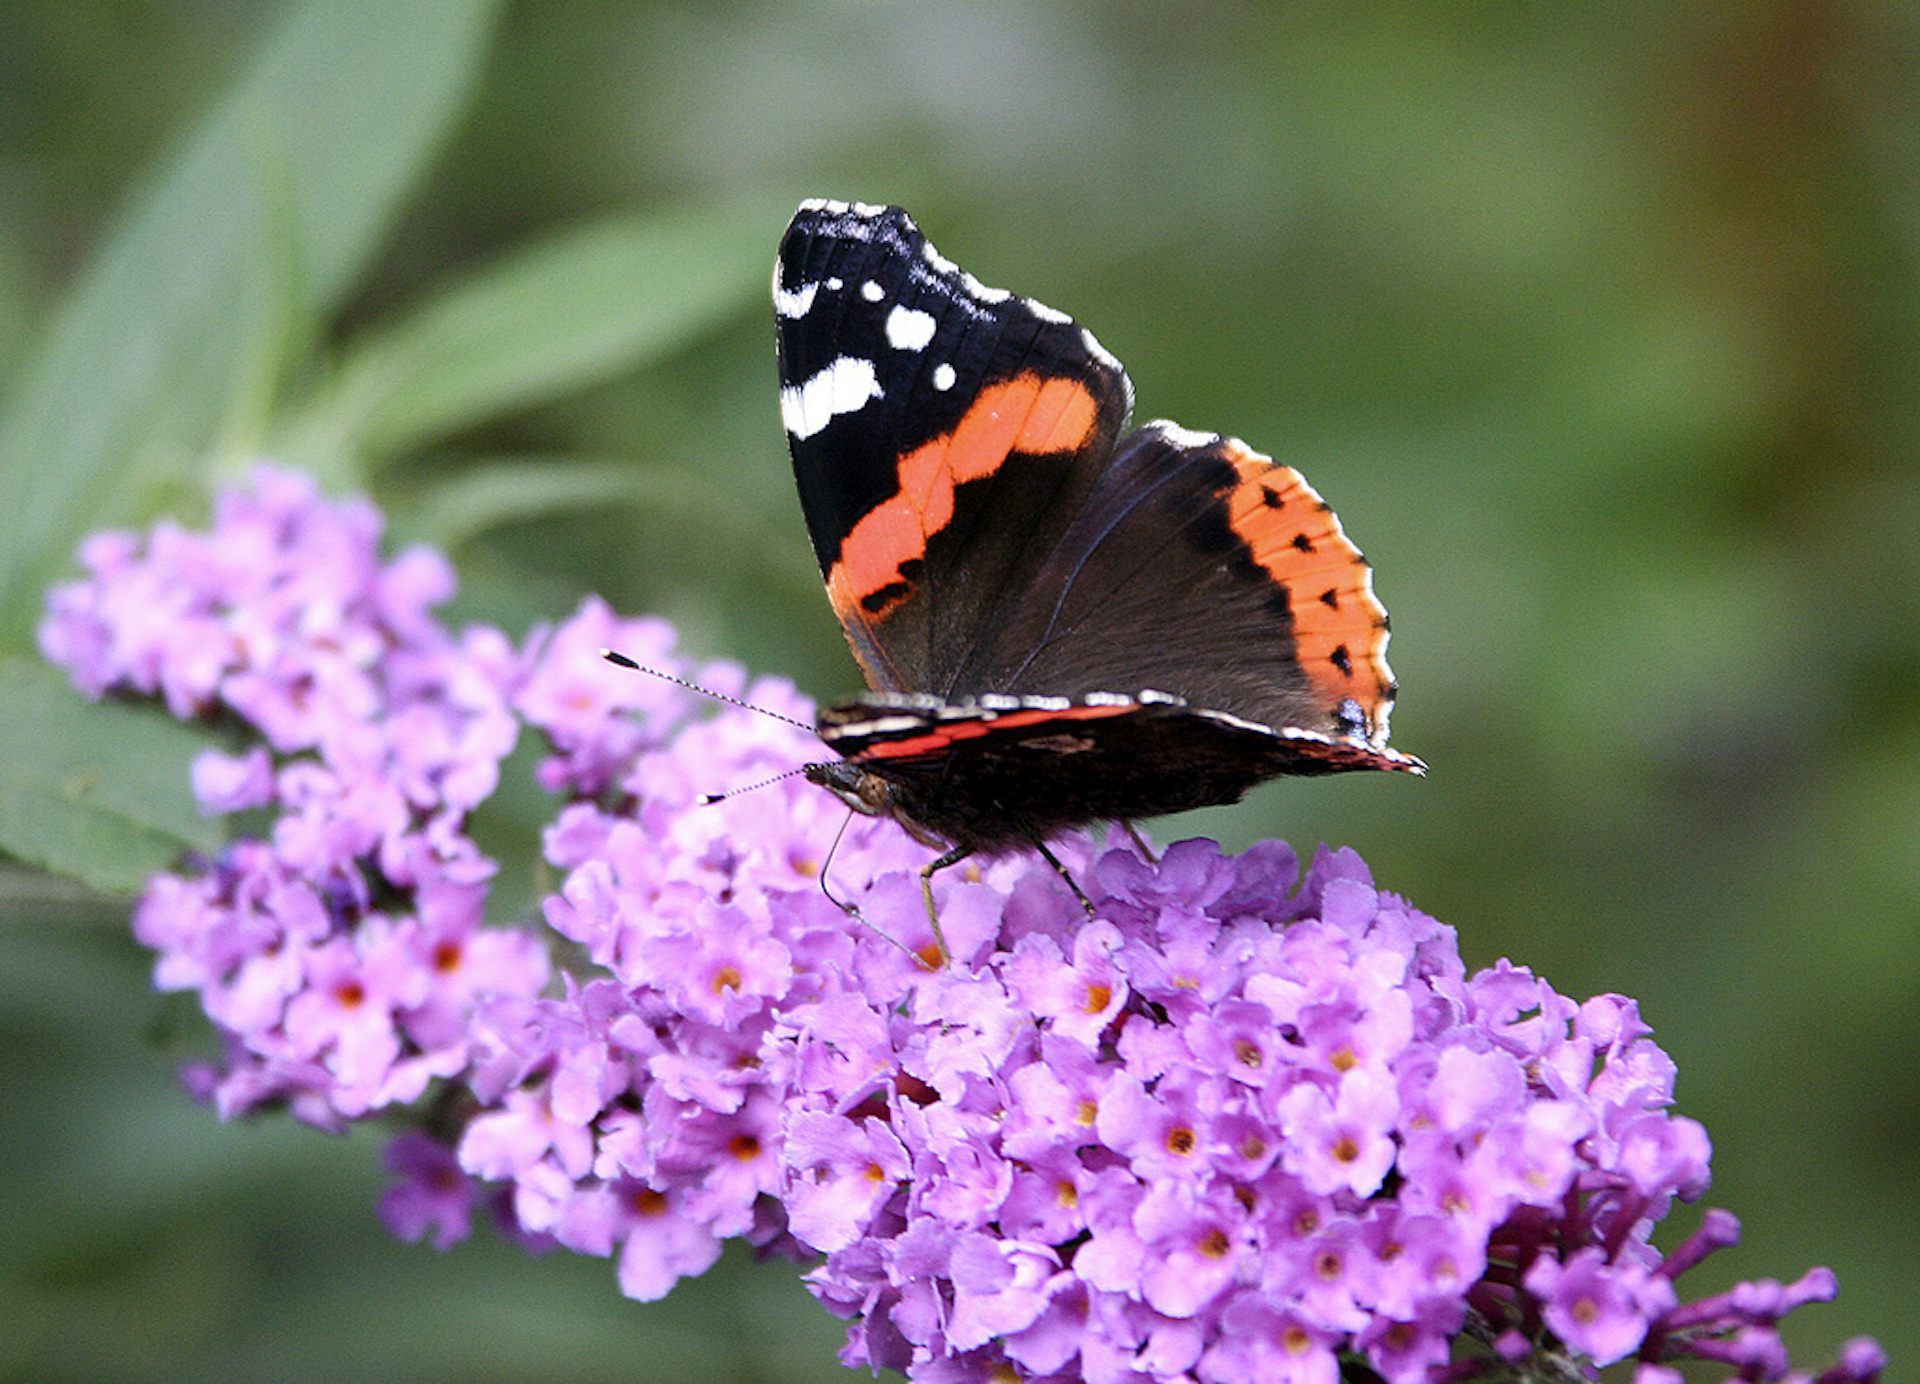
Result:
95,790
582,306
513,490
16,314
258,224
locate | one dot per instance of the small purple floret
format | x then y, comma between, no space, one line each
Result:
433,1195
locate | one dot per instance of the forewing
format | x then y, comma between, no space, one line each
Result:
944,435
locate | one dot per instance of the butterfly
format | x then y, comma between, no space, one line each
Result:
1059,624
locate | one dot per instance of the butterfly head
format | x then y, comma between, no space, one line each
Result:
874,795
864,792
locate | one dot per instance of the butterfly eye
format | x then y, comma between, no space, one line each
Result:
860,790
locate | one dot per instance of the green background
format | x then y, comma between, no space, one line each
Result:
1597,324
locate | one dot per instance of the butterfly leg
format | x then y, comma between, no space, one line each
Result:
952,857
1061,870
1139,843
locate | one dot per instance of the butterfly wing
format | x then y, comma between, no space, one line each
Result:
944,435
1200,568
996,771
981,531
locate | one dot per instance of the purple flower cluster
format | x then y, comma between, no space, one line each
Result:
339,957
1245,1125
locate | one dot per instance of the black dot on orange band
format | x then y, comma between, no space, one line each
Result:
1303,543
1271,496
1330,598
1341,659
875,602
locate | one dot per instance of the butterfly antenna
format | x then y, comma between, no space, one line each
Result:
708,799
620,660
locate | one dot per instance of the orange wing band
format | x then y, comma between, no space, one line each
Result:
1340,627
1030,413
936,741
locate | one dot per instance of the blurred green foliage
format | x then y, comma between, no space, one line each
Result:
1600,325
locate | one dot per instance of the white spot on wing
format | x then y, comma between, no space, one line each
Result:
997,702
872,291
881,725
971,289
793,302
1045,313
943,376
981,291
843,387
1182,437
1240,723
1100,353
836,208
908,329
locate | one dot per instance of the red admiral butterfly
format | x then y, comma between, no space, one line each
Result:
1060,625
